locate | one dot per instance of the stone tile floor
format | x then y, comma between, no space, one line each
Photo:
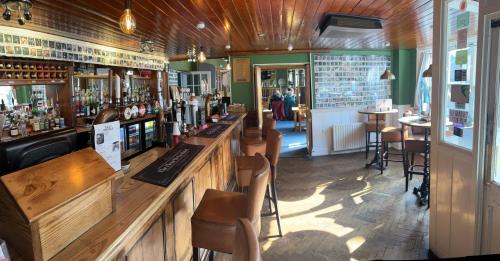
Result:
333,208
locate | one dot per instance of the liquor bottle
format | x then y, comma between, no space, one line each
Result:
14,131
2,106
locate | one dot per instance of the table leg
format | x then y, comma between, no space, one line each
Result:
294,121
377,159
423,191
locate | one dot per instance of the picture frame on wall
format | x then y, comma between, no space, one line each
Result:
241,70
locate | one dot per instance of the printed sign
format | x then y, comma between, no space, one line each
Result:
107,143
462,38
458,116
460,75
461,57
463,20
460,94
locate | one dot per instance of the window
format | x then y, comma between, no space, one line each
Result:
461,25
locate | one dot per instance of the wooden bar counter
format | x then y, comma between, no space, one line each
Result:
151,222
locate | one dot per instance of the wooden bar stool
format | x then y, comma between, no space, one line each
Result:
390,135
414,144
255,141
213,224
246,247
370,127
244,165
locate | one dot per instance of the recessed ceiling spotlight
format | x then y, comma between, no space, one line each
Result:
290,47
267,48
228,47
261,34
200,25
387,44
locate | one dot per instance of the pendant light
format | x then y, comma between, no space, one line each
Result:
387,75
21,8
201,56
228,65
127,20
428,73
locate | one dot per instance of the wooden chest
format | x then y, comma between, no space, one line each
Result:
45,207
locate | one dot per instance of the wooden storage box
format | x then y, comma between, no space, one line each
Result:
45,207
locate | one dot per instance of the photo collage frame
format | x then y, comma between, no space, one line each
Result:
17,43
350,81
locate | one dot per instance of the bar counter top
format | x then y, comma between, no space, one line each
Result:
138,204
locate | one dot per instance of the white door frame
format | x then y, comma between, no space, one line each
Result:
489,78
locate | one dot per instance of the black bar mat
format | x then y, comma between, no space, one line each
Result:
165,169
213,131
231,117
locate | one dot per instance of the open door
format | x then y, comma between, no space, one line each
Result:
258,94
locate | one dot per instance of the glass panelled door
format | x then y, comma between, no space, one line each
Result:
491,216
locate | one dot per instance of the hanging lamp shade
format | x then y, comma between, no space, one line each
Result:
387,75
127,20
201,56
428,73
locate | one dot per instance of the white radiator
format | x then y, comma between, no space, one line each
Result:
348,136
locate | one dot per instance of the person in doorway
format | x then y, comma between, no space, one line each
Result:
289,103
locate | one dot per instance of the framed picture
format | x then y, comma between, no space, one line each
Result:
241,70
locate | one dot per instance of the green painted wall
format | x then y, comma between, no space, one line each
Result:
187,66
243,92
404,66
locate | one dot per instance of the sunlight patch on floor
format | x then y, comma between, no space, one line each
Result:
354,243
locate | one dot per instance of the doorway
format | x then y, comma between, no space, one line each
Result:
283,91
491,212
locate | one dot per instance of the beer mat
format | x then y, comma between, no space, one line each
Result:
165,169
213,131
231,117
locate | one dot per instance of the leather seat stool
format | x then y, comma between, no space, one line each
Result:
244,171
255,141
246,247
414,144
389,135
213,224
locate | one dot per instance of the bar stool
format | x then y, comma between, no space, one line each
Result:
390,135
414,144
246,247
244,165
370,127
255,141
213,224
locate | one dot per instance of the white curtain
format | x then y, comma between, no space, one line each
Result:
424,85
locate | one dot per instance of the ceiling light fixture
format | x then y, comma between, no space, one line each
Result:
260,34
228,47
290,47
201,56
22,7
127,20
267,48
147,46
191,54
200,25
228,64
387,75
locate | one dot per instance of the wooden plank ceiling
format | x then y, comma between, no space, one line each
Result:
248,25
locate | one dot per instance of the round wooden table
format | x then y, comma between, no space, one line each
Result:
417,121
377,158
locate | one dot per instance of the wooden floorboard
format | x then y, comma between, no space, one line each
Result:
332,208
